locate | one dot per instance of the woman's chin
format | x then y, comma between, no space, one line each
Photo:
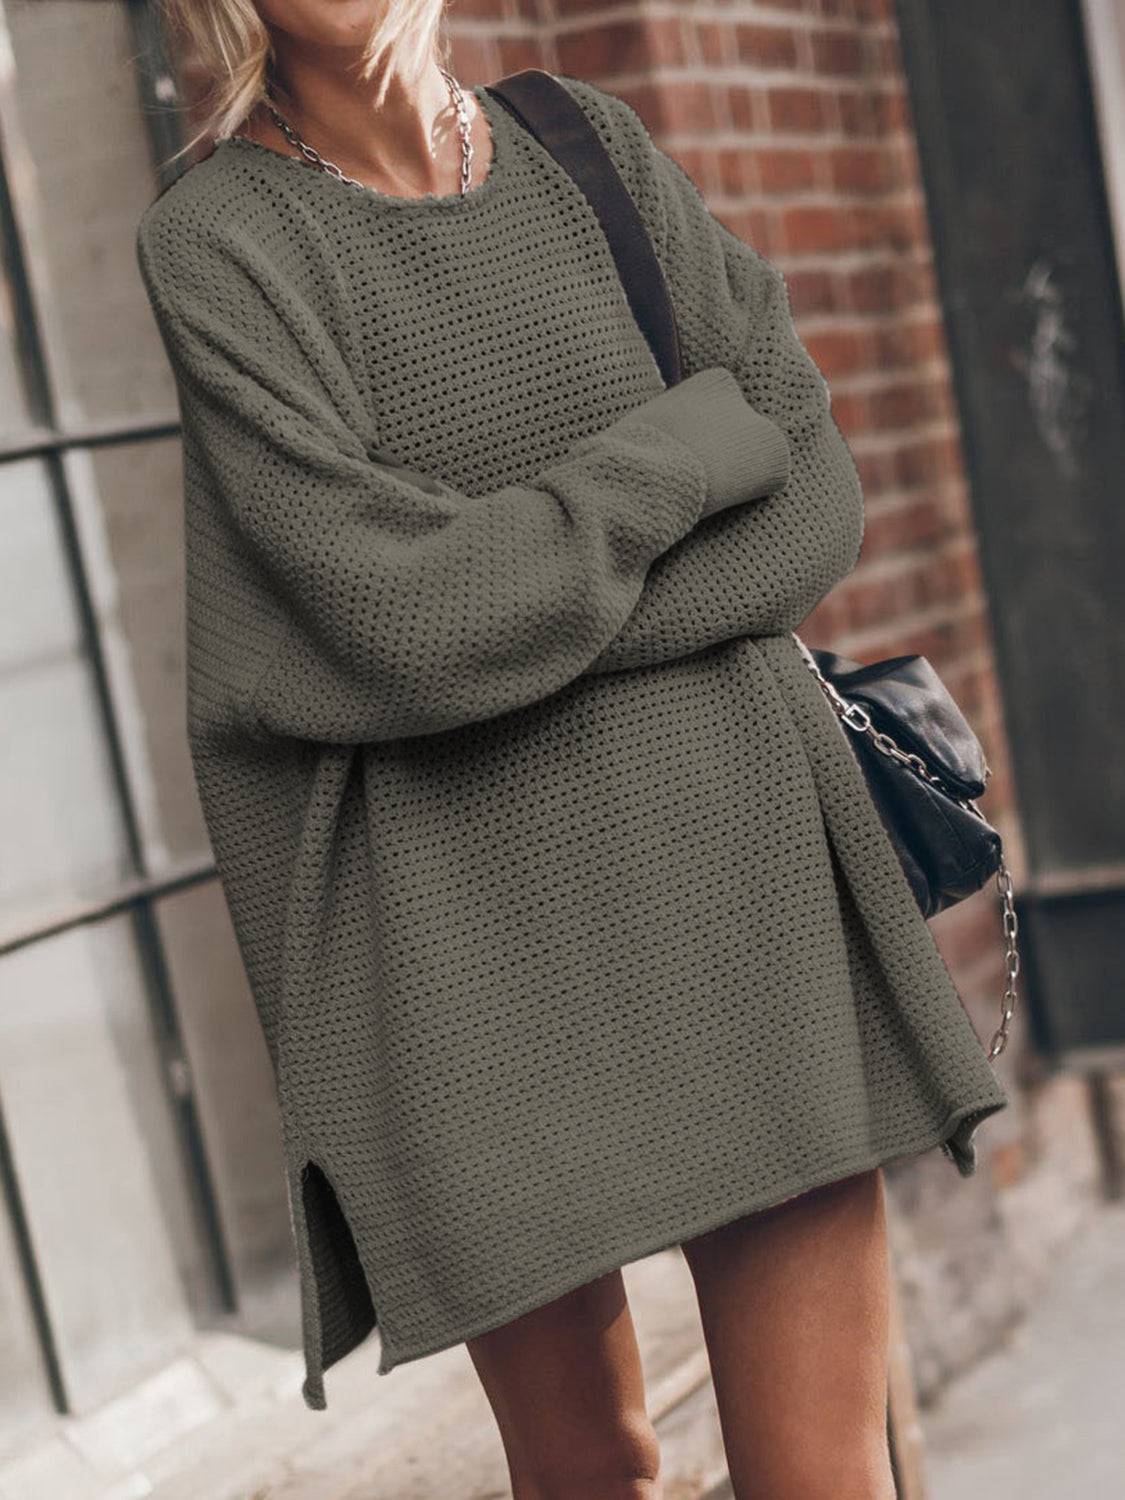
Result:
324,23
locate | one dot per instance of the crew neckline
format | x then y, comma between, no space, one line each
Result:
400,202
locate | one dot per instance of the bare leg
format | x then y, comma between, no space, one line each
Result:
566,1387
795,1311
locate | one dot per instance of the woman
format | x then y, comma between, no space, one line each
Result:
572,928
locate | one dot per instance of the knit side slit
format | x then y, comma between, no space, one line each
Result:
343,1313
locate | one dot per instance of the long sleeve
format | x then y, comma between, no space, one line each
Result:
762,568
338,596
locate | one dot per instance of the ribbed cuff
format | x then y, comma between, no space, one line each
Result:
745,455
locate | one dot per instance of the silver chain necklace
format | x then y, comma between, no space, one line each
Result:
312,155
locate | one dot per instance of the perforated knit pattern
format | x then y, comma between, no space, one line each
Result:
571,925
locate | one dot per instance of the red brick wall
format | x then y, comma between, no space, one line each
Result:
793,118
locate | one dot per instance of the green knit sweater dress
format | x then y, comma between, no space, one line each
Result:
570,922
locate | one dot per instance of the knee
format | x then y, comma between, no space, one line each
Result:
622,1465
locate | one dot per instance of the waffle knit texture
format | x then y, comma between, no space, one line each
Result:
572,927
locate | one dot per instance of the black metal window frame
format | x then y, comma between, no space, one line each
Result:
137,897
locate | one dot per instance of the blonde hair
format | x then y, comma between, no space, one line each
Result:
227,42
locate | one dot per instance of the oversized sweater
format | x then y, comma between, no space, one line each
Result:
569,919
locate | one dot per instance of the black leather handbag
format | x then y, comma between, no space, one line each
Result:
924,766
922,762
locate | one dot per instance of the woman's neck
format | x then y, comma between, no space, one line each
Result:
409,145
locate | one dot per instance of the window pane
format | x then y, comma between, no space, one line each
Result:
80,174
95,1156
63,835
129,511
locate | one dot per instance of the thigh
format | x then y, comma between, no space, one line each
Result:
794,1305
566,1386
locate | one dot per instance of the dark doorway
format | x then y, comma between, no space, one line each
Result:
1002,103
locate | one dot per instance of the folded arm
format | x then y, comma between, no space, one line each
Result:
759,569
335,596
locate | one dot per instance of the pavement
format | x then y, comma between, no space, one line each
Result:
1043,1416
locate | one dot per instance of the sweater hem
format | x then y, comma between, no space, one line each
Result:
954,1136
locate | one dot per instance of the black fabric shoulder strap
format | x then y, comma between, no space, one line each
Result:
547,109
